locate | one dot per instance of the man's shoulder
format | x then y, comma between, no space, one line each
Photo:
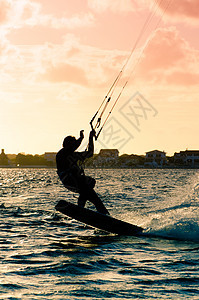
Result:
60,152
64,152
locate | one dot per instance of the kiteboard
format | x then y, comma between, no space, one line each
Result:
97,220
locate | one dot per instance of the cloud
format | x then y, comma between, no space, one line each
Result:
180,9
20,13
176,10
74,62
168,58
71,93
2,48
115,6
65,73
76,21
5,7
16,13
165,48
11,97
183,78
8,52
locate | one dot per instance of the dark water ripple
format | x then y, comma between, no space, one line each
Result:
45,255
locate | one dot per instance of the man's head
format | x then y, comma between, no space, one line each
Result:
69,142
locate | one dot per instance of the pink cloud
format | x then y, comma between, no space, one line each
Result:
4,10
114,6
164,49
65,73
15,14
183,78
168,58
23,13
73,51
2,48
180,8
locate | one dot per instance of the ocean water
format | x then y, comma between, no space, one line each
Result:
45,255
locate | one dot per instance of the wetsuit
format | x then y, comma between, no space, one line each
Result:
73,177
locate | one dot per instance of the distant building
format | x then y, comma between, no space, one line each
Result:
131,160
3,158
187,157
155,158
50,156
109,153
107,156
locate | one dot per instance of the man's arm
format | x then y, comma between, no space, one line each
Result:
91,144
88,153
79,140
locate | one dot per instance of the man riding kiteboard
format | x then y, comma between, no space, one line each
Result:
72,174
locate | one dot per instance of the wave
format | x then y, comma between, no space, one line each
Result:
182,229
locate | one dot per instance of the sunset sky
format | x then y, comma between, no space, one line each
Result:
59,58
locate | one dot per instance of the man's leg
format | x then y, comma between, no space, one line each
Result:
81,200
91,196
87,192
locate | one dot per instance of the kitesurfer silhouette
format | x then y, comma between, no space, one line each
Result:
72,174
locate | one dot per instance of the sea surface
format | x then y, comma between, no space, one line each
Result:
45,255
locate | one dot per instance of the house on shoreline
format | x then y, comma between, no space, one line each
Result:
187,157
108,155
155,158
108,158
50,157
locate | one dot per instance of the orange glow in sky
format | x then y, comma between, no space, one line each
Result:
59,58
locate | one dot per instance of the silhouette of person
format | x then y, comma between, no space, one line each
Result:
71,173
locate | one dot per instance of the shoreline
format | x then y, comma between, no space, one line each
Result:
107,167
